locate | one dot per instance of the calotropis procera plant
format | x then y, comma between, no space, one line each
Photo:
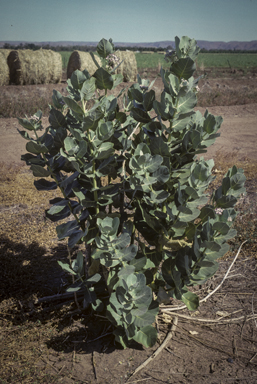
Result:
134,189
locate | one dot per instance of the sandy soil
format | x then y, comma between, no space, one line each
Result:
238,134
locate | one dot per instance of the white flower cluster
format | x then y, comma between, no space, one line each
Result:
184,83
34,117
112,60
219,211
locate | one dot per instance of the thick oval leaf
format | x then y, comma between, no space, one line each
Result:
183,68
66,267
66,229
162,174
26,124
135,93
56,119
186,103
226,202
88,89
45,185
104,48
104,151
149,98
221,227
73,105
57,99
146,336
75,238
39,171
24,134
34,147
103,79
71,145
140,115
77,79
191,300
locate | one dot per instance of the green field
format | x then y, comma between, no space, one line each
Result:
204,60
65,58
235,60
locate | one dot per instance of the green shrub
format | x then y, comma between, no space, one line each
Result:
153,231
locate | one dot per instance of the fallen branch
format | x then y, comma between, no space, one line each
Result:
217,321
58,297
158,351
224,278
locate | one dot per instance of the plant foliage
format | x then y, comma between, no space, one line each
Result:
153,230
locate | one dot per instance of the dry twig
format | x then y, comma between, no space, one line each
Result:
253,312
161,347
218,321
93,363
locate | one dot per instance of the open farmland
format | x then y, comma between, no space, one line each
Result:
48,342
228,60
243,61
152,60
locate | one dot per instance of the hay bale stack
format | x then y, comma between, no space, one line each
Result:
34,67
4,69
81,60
129,66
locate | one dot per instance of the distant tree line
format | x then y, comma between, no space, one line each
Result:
57,48
88,48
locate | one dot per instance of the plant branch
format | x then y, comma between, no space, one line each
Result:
158,351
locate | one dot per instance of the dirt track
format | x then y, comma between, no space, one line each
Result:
238,134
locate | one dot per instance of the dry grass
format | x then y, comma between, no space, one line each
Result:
18,101
4,69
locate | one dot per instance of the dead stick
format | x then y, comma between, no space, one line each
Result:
224,278
218,321
62,296
93,363
161,347
253,357
253,310
48,363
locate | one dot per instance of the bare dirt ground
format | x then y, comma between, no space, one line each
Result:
238,133
53,343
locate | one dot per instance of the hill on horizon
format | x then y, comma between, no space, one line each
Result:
204,44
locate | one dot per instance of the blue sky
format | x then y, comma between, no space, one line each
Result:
127,20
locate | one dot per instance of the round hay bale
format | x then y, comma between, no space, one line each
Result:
5,52
128,68
34,67
81,60
54,62
4,69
